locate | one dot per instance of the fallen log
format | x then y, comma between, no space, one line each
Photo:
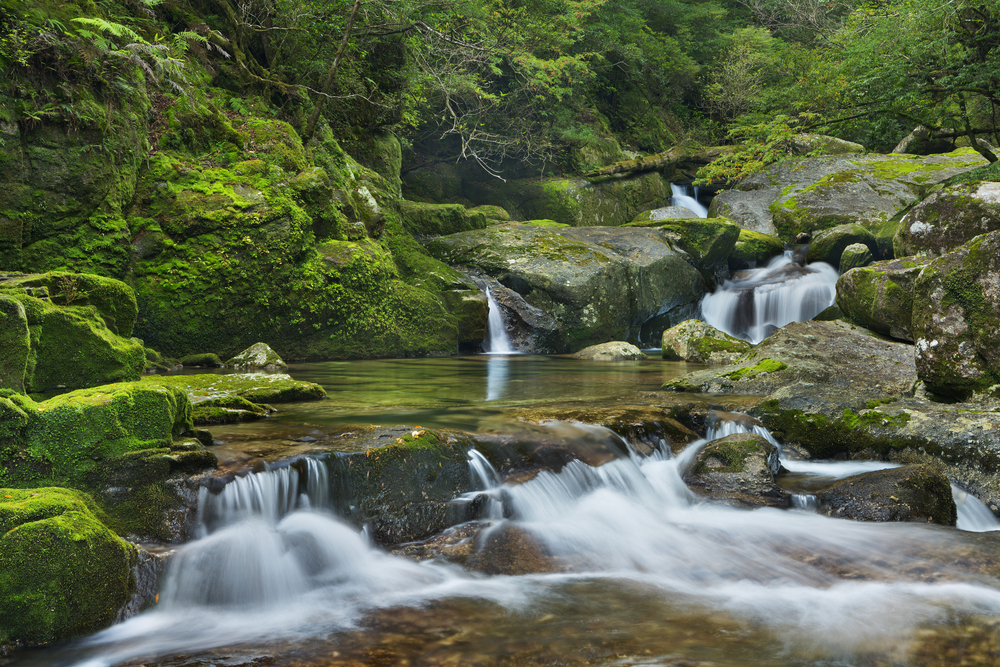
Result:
678,156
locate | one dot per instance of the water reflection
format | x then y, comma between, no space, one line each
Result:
496,376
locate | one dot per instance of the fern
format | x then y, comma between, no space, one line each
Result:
109,27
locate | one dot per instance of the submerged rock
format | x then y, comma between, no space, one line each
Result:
258,356
880,295
512,550
948,219
613,351
738,469
697,342
910,493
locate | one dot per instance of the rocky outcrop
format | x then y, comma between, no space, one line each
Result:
665,213
439,219
917,493
810,194
695,341
880,296
599,284
613,351
828,245
738,469
708,242
956,319
948,219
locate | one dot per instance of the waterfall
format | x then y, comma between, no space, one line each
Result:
757,302
499,341
973,515
680,197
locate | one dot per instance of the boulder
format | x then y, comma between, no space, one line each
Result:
829,244
254,387
823,144
258,356
880,295
956,319
598,283
15,341
201,360
806,194
512,550
665,213
948,219
62,572
695,341
753,250
708,242
492,213
917,493
114,300
854,256
529,329
738,469
439,219
613,351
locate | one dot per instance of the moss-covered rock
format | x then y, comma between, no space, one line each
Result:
201,360
613,351
753,250
439,219
949,218
823,144
15,341
707,241
911,493
880,295
664,213
738,469
956,319
258,356
62,572
113,299
255,387
854,256
493,213
695,341
828,245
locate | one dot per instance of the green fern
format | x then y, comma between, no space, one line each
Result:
109,27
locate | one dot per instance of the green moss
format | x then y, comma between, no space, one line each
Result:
762,366
15,341
439,219
543,223
254,387
753,249
62,572
207,359
732,455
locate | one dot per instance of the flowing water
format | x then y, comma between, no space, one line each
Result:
680,197
757,302
497,341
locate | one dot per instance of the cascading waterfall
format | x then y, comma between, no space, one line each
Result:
281,571
757,302
973,515
680,197
499,341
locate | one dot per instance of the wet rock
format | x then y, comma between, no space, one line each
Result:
880,295
258,356
529,329
599,284
738,469
698,342
806,194
254,387
708,242
948,219
829,244
854,256
956,320
665,213
753,250
455,544
613,351
909,493
510,549
201,360
16,344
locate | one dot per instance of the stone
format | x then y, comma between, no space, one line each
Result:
202,360
753,250
828,245
823,144
665,213
114,300
511,550
254,387
258,356
948,219
613,351
918,493
439,219
807,194
15,342
698,342
880,296
956,319
494,213
854,256
738,469
529,329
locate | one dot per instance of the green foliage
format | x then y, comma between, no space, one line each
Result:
758,145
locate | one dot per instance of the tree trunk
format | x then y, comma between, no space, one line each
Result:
675,157
330,75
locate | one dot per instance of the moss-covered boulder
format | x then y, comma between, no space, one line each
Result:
738,469
753,250
258,356
440,219
114,300
664,213
707,241
493,213
698,342
15,341
880,295
829,244
917,493
62,572
956,319
810,194
949,218
613,351
854,256
201,360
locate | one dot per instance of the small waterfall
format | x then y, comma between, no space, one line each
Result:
973,515
498,340
806,502
680,197
757,302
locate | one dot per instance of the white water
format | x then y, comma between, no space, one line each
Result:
680,197
759,301
973,515
499,341
268,576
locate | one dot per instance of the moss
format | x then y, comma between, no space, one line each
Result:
15,341
732,455
543,223
228,410
205,359
762,366
753,249
113,299
254,387
880,401
62,572
439,219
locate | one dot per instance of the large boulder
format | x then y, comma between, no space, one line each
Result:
829,244
855,255
438,219
599,283
707,241
738,469
823,144
114,300
613,351
258,356
62,572
808,194
880,296
665,213
956,319
949,218
695,341
753,250
911,493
